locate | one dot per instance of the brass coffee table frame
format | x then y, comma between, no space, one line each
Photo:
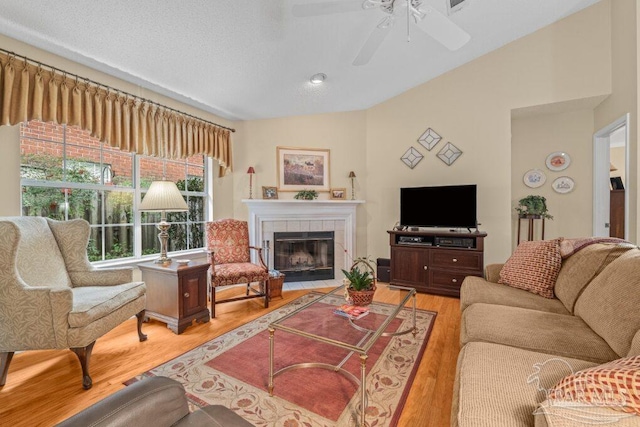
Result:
361,348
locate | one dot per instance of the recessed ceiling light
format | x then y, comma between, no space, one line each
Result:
316,79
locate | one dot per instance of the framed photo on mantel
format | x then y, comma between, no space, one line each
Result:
303,169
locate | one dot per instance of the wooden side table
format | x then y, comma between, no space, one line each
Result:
176,294
530,225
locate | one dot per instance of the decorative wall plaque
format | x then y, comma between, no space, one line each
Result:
429,139
411,157
449,153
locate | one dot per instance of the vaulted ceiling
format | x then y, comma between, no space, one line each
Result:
252,59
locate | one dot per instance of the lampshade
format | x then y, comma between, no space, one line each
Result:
352,174
612,168
251,170
163,196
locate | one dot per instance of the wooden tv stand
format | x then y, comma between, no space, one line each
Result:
435,262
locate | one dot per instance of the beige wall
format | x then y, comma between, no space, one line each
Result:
624,97
471,107
533,139
344,134
9,143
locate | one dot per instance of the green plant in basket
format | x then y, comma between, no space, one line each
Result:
360,280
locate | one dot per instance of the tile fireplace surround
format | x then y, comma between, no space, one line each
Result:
339,216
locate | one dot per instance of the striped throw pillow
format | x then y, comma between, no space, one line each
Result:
534,267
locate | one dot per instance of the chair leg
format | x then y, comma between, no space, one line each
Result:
267,294
5,361
140,317
213,302
248,288
84,354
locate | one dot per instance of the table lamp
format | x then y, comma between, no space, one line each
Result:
163,196
352,175
251,171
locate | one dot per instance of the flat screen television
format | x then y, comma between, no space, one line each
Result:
452,206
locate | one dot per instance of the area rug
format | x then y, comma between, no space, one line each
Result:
233,370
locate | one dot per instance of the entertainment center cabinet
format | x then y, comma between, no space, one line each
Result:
435,262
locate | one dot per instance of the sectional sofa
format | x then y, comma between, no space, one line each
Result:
516,346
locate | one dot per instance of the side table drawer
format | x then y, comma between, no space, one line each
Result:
447,279
456,260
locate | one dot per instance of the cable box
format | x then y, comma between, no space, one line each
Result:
411,239
454,242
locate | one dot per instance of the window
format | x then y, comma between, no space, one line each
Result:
67,174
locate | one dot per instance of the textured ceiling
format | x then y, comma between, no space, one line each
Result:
251,59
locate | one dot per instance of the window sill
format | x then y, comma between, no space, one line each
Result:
132,262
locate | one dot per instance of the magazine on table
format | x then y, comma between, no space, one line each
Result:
351,311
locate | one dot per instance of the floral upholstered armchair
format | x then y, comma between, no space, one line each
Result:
51,297
228,248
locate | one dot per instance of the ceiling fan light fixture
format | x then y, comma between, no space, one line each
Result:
318,78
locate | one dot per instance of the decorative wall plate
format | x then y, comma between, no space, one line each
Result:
558,161
534,178
449,154
429,139
411,157
563,185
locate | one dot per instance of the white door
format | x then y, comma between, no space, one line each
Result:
601,174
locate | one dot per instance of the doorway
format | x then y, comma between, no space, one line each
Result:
611,206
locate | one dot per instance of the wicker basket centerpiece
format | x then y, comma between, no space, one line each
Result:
360,282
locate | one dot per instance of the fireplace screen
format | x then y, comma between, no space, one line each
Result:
303,256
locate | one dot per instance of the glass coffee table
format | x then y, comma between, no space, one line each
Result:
316,321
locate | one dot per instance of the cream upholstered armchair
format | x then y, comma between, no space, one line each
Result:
51,297
228,249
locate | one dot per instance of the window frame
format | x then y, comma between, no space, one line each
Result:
102,188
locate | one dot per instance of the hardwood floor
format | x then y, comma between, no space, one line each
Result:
44,387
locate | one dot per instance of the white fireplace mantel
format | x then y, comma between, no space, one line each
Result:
266,216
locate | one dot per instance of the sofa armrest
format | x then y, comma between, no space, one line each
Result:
101,277
492,272
160,399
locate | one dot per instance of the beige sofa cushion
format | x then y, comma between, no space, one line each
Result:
580,268
554,334
477,290
500,386
91,303
635,345
610,304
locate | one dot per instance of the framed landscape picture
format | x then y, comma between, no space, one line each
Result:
303,169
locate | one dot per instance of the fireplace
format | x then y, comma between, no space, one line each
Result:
268,217
304,256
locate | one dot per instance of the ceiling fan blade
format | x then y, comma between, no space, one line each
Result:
441,28
373,42
325,8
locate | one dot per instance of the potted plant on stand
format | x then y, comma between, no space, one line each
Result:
533,206
360,282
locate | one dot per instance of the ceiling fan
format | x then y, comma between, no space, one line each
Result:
425,18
